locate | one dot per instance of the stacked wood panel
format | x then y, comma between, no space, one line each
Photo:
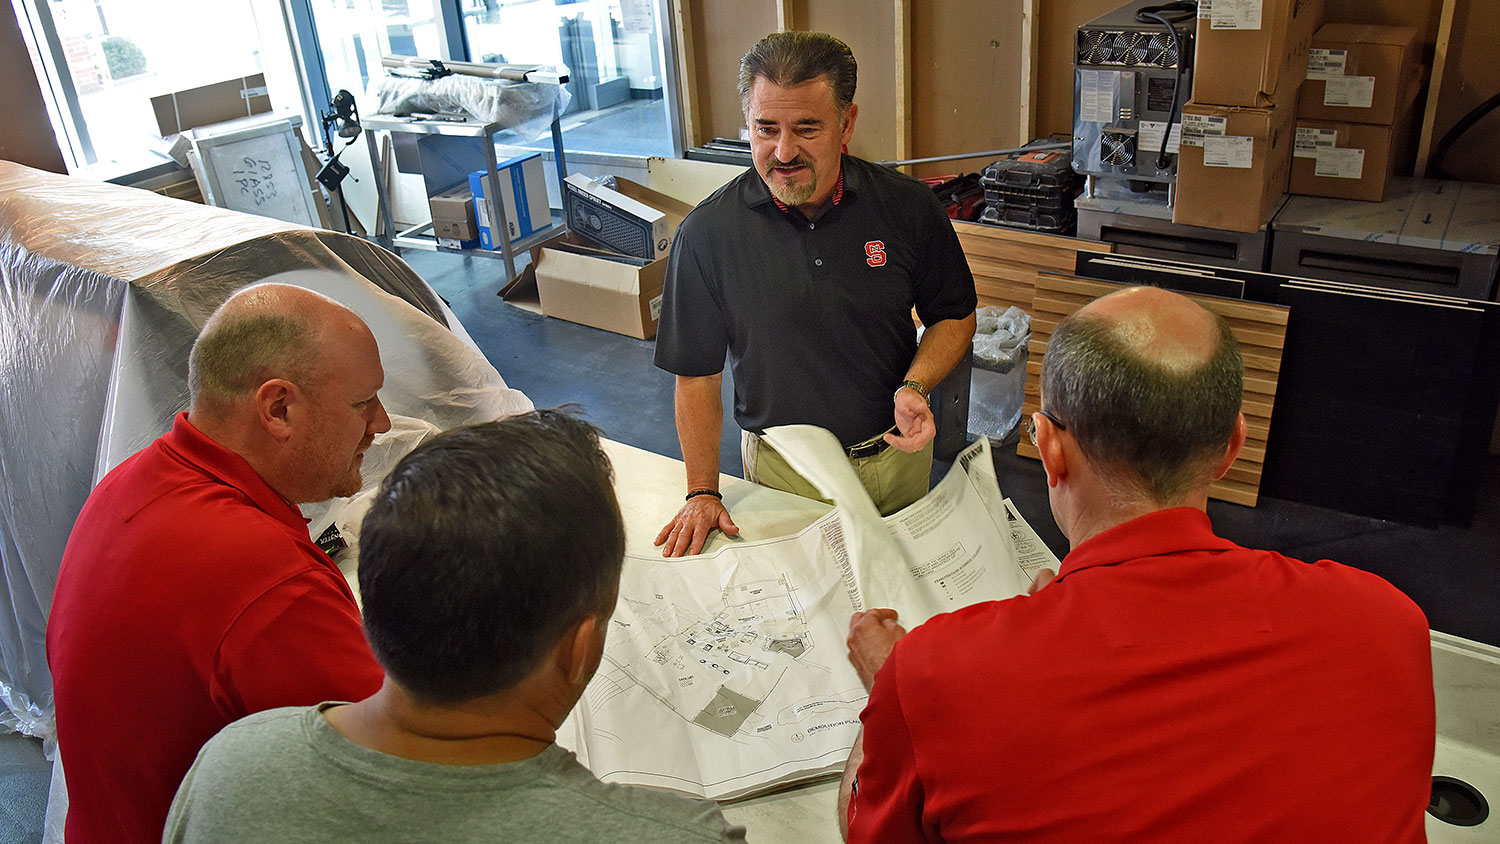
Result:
1260,330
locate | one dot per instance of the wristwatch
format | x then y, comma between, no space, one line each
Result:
919,387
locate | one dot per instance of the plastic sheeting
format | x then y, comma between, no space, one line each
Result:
524,107
104,290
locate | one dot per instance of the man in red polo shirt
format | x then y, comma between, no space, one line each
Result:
1168,685
190,594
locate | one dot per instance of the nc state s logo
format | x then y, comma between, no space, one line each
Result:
875,253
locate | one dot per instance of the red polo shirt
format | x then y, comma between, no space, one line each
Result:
189,596
1168,686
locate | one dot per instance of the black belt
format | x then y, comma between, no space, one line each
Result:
869,449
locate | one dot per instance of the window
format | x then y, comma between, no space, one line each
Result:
613,51
101,61
354,34
106,59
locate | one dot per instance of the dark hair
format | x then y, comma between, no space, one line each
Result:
484,545
791,57
1155,429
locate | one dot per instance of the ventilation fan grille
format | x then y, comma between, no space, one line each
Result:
1127,48
1117,148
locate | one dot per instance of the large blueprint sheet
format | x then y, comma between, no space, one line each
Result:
727,674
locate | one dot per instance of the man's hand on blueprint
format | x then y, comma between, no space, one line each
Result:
872,635
1043,577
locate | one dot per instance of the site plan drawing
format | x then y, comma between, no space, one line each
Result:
725,675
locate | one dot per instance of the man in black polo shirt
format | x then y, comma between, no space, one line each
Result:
805,270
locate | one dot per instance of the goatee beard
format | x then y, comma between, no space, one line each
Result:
791,195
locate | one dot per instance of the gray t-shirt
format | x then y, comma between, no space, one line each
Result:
287,775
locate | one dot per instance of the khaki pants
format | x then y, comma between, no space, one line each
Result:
893,477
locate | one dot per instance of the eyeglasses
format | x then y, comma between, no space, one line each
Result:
1031,424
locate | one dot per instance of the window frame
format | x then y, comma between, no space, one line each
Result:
55,77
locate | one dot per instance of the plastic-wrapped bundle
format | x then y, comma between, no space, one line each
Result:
1000,337
105,288
999,379
523,107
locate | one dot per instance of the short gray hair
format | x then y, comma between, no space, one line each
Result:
236,353
1151,429
793,57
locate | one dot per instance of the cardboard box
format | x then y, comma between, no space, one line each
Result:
1233,165
206,104
1344,160
456,243
453,214
1253,52
630,219
1357,73
569,279
523,189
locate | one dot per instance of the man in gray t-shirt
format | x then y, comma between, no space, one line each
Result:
489,567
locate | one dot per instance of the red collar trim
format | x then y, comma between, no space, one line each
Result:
838,193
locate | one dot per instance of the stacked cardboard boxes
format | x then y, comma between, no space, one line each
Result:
1236,153
1354,111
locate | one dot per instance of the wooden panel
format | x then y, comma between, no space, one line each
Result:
967,80
1259,329
722,32
902,79
1471,75
871,33
1005,261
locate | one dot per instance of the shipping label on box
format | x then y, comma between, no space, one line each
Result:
1326,64
1196,127
1229,151
1349,91
1310,139
1232,14
523,192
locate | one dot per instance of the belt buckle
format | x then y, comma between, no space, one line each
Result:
863,450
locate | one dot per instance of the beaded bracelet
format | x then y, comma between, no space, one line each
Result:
697,492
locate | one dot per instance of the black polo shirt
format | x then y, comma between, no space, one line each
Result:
815,314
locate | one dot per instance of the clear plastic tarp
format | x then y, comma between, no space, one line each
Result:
104,290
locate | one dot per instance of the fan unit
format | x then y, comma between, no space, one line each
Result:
1160,51
1117,148
1131,78
1130,48
1094,47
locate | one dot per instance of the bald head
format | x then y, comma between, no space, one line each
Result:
263,332
1149,384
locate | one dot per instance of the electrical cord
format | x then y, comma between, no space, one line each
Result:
1178,12
1463,125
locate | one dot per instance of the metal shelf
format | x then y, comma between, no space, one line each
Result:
484,133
